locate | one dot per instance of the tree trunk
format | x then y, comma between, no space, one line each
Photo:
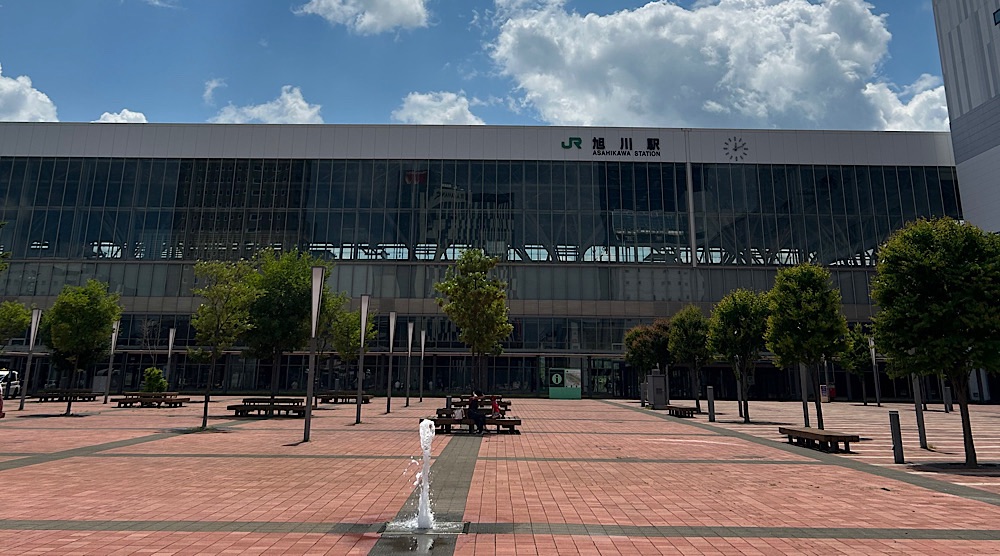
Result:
208,394
804,389
275,365
746,395
864,390
961,386
819,401
739,392
696,386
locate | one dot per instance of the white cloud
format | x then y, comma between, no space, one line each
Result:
21,102
436,108
126,116
720,63
289,108
369,17
926,110
162,3
210,86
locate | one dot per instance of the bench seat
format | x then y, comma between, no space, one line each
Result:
289,410
341,397
681,411
827,440
444,424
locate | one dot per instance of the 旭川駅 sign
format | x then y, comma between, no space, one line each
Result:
627,146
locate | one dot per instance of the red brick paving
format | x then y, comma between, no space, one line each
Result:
578,463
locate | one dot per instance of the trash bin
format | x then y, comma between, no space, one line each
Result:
832,391
824,393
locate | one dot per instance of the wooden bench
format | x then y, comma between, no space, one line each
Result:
151,399
262,406
827,440
483,404
681,411
450,412
66,395
343,397
443,424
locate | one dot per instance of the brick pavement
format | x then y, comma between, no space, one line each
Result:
585,477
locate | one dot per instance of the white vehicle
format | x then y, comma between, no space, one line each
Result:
10,384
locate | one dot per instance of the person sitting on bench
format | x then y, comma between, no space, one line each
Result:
477,416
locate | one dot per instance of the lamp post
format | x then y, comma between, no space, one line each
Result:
317,297
361,355
878,387
36,317
111,358
423,340
409,350
171,335
392,337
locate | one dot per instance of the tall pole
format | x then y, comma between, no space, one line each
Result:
878,387
423,340
111,358
36,317
317,297
361,356
170,352
392,338
409,350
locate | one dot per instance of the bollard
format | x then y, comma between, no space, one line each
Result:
711,404
897,437
447,402
947,400
919,408
642,393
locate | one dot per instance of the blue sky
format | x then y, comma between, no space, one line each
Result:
839,64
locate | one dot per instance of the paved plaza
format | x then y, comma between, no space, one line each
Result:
584,477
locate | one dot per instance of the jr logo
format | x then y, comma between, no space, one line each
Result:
573,142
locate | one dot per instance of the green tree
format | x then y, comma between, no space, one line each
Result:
805,324
345,335
280,312
856,358
477,303
938,287
78,326
640,352
153,381
227,289
689,345
15,318
736,333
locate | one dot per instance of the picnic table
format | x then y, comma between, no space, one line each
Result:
343,397
291,407
150,399
66,394
446,419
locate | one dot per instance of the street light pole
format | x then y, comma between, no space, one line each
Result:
317,297
878,387
111,358
361,355
423,339
36,317
409,350
392,337
171,335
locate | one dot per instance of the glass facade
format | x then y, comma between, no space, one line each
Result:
589,249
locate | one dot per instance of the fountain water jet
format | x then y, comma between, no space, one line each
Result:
425,517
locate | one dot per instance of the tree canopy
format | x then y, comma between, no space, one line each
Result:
477,303
345,334
639,352
15,318
280,312
736,332
938,289
78,326
805,323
